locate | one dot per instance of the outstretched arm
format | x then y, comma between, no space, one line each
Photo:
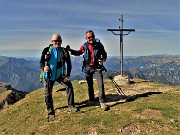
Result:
76,52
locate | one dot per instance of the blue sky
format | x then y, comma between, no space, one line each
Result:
26,26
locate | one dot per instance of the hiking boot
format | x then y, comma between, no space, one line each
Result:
90,103
104,106
72,108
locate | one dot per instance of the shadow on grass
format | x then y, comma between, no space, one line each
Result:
117,97
61,89
59,108
84,104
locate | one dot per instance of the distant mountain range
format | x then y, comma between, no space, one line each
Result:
159,68
23,74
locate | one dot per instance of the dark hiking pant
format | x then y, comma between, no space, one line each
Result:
48,86
99,77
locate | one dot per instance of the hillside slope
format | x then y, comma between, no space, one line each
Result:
155,110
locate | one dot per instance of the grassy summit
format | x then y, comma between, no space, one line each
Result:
155,110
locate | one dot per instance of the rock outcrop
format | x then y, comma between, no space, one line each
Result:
9,95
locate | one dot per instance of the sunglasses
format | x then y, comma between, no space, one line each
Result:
91,37
59,41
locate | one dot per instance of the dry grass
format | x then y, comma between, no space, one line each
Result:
151,112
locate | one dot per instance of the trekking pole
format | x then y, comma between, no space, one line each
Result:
46,64
48,79
120,92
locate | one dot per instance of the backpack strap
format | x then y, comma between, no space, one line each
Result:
97,50
48,53
86,58
86,53
64,54
46,64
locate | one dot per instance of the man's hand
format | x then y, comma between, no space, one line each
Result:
46,68
47,56
100,62
66,78
68,48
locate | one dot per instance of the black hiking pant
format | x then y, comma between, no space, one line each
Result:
99,77
48,86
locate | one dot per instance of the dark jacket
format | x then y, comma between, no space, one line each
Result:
93,60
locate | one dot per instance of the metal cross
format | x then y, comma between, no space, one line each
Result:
121,39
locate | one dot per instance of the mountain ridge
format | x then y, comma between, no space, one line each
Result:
23,74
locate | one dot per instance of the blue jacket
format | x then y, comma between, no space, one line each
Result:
58,58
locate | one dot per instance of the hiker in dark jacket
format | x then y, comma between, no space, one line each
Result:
52,62
94,57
